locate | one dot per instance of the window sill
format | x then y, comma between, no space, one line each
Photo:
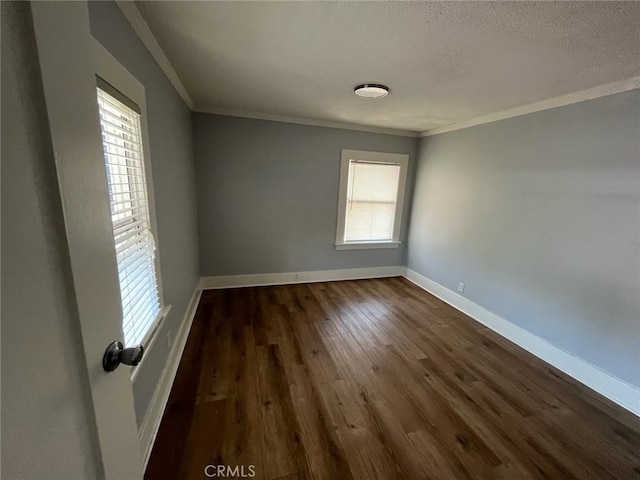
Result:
150,339
366,245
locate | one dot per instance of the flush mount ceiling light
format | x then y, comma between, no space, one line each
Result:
371,90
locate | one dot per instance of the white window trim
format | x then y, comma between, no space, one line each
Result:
111,71
379,157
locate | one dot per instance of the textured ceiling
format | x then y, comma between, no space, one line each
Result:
445,62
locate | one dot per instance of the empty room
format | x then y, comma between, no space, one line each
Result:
336,240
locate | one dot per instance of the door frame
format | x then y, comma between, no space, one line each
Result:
64,41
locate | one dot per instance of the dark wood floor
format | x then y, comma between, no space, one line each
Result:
372,380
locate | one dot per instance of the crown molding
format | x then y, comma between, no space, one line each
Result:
133,15
306,121
147,37
145,34
561,101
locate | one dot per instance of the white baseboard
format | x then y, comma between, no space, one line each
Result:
620,392
613,388
151,423
263,279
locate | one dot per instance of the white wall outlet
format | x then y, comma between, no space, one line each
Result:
461,287
296,276
169,339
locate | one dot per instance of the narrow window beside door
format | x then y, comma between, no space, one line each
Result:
134,242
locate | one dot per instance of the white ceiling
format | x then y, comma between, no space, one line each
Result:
445,62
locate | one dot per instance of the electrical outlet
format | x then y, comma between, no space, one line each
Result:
461,287
169,339
296,276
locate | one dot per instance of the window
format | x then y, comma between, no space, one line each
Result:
371,194
130,215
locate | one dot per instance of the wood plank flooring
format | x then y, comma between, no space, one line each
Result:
373,380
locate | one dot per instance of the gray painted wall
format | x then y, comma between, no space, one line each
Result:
46,409
268,195
539,216
169,121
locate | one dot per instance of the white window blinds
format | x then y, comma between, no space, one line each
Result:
135,246
371,201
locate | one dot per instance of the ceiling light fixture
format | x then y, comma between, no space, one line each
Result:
371,90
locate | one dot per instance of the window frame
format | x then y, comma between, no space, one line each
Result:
347,156
114,73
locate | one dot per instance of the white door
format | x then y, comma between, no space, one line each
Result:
64,47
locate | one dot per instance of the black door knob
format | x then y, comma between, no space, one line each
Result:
115,354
